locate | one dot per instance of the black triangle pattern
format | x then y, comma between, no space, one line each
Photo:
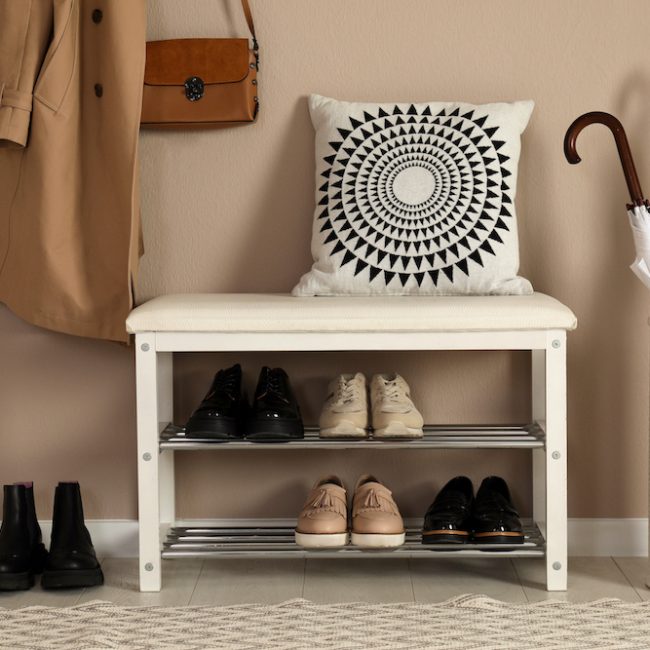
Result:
395,233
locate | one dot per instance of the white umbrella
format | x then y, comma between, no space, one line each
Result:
638,211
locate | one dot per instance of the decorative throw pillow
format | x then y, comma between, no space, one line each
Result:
415,199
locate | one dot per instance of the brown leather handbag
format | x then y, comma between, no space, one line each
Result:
201,82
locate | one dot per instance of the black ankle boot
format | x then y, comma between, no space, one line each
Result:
35,534
72,561
17,552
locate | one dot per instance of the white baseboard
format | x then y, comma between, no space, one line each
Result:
587,537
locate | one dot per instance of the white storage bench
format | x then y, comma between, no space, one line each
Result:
251,322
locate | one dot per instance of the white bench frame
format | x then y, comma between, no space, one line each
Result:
154,375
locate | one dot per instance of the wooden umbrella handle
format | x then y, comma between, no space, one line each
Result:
622,144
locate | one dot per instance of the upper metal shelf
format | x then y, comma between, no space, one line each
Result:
510,436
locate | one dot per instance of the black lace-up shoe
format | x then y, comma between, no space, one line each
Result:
495,520
222,412
449,517
275,414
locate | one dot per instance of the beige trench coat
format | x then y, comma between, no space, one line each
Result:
70,96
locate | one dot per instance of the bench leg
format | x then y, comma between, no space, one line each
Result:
148,459
550,463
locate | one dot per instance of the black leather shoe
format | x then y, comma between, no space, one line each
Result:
72,561
222,412
275,414
449,517
494,518
21,552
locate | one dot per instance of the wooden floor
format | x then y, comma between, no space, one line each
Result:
220,582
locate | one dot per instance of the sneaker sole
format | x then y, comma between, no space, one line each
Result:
343,430
397,430
72,578
331,540
371,540
16,581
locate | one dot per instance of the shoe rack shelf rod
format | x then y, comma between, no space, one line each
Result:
157,443
435,437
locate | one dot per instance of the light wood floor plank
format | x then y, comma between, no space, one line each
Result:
231,582
437,580
121,583
590,578
368,580
637,571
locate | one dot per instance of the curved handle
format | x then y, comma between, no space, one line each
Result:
623,146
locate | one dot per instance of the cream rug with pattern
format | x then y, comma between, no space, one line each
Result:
467,622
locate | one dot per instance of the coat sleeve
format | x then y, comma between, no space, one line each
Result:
25,33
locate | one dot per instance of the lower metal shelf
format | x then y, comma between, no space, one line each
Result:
278,542
509,436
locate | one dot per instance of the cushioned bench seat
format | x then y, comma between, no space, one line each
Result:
248,312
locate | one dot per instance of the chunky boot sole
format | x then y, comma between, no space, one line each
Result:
343,430
212,428
16,581
275,431
331,540
397,430
499,538
458,537
366,540
67,579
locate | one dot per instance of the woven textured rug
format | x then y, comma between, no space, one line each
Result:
467,622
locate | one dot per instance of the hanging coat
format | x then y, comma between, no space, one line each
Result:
70,98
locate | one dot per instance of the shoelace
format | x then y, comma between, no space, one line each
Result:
393,391
272,384
348,391
224,382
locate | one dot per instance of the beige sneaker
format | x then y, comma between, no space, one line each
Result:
345,412
393,413
323,521
376,520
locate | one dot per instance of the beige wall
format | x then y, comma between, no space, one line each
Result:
231,211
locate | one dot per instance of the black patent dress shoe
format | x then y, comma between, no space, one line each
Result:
72,561
221,414
494,518
449,518
22,553
275,414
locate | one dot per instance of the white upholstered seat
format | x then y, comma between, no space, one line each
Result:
249,312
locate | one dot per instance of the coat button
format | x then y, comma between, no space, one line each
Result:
99,90
98,14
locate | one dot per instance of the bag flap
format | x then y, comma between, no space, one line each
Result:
215,60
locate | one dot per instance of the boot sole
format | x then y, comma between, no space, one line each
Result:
277,431
457,537
330,540
70,578
213,429
370,540
16,581
499,538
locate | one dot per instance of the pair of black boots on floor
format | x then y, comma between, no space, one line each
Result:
458,517
71,560
225,413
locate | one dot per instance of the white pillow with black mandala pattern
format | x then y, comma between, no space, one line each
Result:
415,199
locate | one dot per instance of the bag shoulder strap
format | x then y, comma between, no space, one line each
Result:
249,20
